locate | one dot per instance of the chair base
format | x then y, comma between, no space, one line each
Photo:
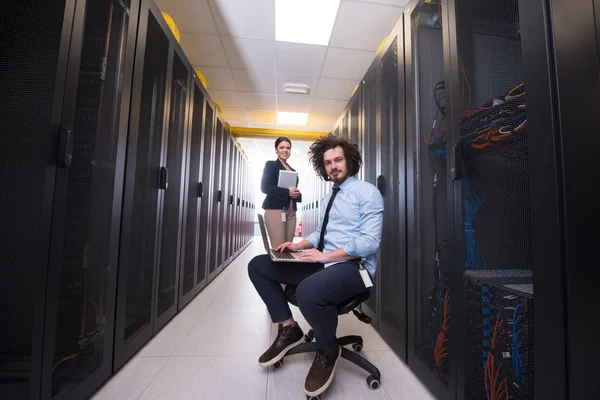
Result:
347,354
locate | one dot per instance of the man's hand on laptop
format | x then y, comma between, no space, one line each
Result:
287,246
314,255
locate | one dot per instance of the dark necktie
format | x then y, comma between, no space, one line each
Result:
326,218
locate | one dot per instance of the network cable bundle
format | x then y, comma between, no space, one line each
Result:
439,297
499,357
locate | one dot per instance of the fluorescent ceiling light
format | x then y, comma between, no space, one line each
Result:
291,118
296,88
305,21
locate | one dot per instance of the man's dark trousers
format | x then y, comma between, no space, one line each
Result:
319,291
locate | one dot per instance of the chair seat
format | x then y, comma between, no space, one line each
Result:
344,308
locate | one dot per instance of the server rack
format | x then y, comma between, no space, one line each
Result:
206,243
60,218
167,289
145,182
371,147
391,182
429,242
576,44
189,277
501,174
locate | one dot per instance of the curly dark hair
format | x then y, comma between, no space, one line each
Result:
327,142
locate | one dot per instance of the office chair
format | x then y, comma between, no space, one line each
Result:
374,379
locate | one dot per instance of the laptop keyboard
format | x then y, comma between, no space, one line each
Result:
283,255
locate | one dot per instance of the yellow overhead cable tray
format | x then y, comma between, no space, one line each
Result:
238,131
172,26
200,76
381,45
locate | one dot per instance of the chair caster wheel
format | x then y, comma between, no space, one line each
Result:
357,347
318,397
373,382
278,364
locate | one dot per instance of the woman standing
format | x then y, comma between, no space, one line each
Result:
280,203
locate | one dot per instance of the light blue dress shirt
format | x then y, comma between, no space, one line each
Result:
355,222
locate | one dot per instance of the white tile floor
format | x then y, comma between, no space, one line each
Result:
210,351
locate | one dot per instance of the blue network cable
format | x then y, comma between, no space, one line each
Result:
517,362
474,199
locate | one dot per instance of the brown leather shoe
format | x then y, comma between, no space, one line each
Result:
321,372
287,338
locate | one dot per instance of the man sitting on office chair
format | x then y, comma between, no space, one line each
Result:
350,230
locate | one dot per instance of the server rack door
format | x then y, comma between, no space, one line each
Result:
345,132
172,220
144,184
496,291
82,289
225,198
190,262
392,268
429,258
32,79
238,172
355,119
215,233
206,227
576,34
370,152
230,248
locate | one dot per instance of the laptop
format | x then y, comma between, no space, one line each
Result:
276,256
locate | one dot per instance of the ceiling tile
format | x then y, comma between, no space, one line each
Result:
310,81
339,89
204,50
240,124
396,3
236,114
322,120
258,101
256,55
294,103
254,81
353,31
300,59
242,18
189,15
347,64
226,99
267,117
218,78
328,107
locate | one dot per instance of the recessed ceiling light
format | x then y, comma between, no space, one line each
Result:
291,118
305,21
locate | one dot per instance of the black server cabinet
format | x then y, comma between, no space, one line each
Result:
392,184
576,33
64,70
224,223
230,247
205,241
355,120
370,152
167,274
188,283
29,136
507,303
217,200
145,184
430,326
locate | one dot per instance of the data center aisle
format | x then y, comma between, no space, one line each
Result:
210,351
